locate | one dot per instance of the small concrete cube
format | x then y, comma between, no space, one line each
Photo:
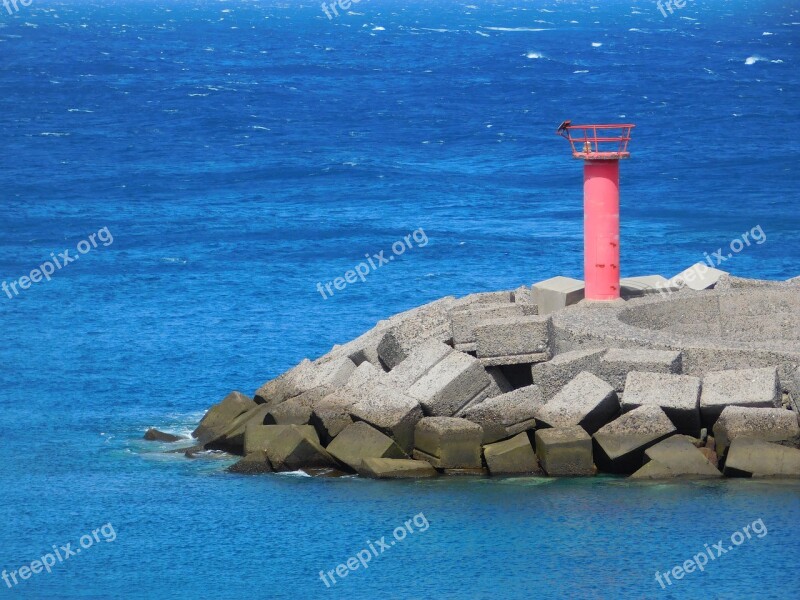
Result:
677,395
514,340
587,401
565,451
615,364
556,293
448,443
754,388
512,457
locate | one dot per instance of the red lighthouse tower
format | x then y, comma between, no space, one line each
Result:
600,147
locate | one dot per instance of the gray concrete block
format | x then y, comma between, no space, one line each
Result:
360,441
219,418
389,410
620,445
393,468
698,277
513,340
676,457
754,388
556,293
448,443
524,295
767,424
465,320
586,401
646,285
483,298
506,415
410,329
512,457
554,374
421,360
750,457
565,452
451,384
677,395
616,363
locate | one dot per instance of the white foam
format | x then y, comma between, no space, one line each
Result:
534,55
483,34
751,60
516,29
584,71
294,474
379,28
767,33
596,44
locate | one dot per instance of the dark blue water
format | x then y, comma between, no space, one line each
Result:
238,153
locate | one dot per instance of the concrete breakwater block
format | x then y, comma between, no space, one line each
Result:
750,457
254,463
390,411
409,329
565,451
754,388
450,384
448,443
360,441
556,293
506,415
305,376
464,321
620,445
645,285
288,447
218,418
766,424
675,457
616,363
677,395
554,374
392,468
512,457
698,277
513,340
587,401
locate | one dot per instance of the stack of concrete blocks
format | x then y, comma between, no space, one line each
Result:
767,424
677,395
620,445
674,457
753,388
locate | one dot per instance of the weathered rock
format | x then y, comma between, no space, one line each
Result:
753,388
513,340
154,435
448,442
767,424
390,411
750,457
506,415
464,321
621,444
586,401
393,468
677,395
676,456
512,457
556,293
260,437
554,374
411,328
452,383
252,464
616,363
220,416
565,451
360,441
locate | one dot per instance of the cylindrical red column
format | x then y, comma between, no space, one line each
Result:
601,229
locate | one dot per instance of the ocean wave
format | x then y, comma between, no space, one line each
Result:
596,44
516,29
751,60
534,55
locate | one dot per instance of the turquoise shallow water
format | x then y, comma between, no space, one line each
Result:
239,153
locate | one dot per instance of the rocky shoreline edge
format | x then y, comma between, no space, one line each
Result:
506,384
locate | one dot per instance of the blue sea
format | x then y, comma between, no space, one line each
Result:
209,163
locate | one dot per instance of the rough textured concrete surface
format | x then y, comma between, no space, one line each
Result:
392,468
419,362
232,440
645,285
676,456
587,401
620,445
554,374
258,437
698,277
360,441
506,415
290,412
464,321
565,451
413,327
449,385
754,388
513,340
749,457
448,443
767,424
512,457
677,395
254,463
615,364
390,411
556,293
220,416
